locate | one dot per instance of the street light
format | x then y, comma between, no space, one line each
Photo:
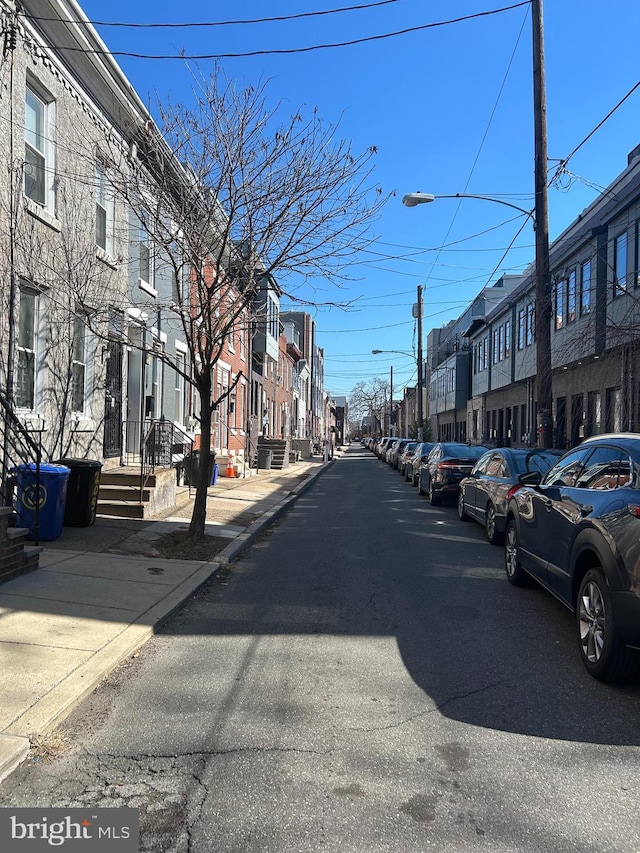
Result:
542,296
414,199
418,358
544,388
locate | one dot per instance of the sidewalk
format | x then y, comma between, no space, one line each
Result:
101,592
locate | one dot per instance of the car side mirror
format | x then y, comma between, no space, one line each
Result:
530,478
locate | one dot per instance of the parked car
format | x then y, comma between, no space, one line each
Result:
381,446
406,454
484,495
393,454
445,466
576,530
420,453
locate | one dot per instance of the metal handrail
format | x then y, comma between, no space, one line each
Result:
20,486
157,448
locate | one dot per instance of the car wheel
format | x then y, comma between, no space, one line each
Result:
515,573
407,474
421,491
434,498
603,653
462,515
490,525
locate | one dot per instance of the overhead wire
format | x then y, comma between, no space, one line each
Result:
285,51
562,166
186,24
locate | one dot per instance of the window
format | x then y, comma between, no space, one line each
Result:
620,264
179,407
569,469
496,347
501,343
78,365
521,328
507,339
585,287
602,469
104,210
231,336
39,153
530,325
272,318
559,306
571,296
242,337
26,366
146,256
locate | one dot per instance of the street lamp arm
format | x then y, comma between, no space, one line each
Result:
398,351
413,199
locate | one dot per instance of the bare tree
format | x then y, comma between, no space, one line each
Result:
371,399
232,198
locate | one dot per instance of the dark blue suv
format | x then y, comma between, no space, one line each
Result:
576,530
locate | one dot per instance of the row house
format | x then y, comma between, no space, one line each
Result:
81,339
93,347
309,426
595,333
447,374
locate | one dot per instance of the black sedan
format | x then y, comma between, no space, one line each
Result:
577,532
484,495
447,464
419,457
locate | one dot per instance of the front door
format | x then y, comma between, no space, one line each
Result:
112,445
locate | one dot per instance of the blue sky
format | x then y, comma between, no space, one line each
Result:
450,110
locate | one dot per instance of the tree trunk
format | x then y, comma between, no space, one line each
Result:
199,517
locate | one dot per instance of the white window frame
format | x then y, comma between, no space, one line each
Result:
79,363
105,208
180,387
144,240
27,348
40,143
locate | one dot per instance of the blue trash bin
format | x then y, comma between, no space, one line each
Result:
50,499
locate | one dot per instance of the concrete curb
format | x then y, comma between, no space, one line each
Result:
51,709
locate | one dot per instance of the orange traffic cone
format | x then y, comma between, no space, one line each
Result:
231,471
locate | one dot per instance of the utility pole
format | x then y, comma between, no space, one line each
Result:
544,389
420,406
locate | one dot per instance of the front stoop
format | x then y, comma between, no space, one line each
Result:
119,494
280,450
16,557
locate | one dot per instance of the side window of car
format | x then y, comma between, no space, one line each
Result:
568,469
494,469
481,465
602,470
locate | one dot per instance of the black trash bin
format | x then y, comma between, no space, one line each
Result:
82,491
191,465
265,457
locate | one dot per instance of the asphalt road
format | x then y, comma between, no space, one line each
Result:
363,679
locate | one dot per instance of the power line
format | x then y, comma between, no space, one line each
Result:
183,25
561,168
283,51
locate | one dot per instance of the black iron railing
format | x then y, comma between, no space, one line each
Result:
20,485
163,445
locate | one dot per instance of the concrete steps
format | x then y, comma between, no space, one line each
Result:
119,495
